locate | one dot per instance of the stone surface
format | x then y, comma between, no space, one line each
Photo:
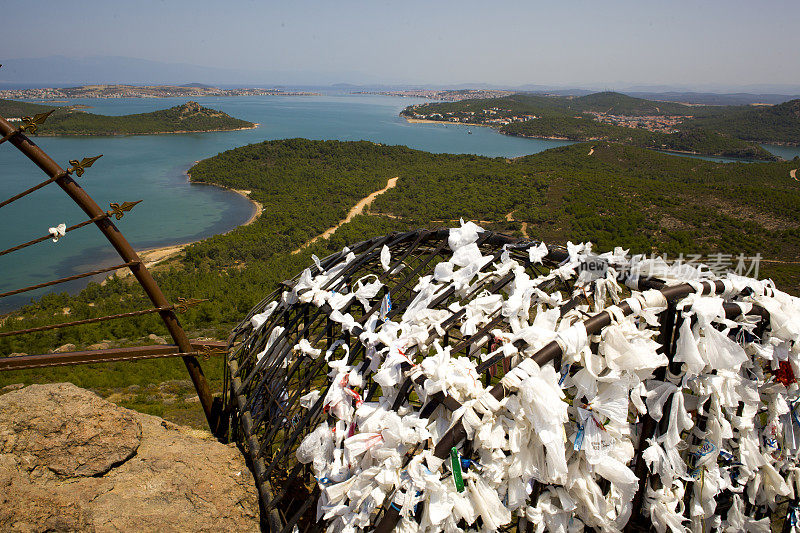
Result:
65,348
68,430
99,346
157,339
71,461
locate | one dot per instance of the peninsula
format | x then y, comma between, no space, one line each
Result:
445,95
190,117
607,193
727,131
192,90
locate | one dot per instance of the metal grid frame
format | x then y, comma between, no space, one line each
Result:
263,395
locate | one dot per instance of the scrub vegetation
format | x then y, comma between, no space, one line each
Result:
727,131
617,196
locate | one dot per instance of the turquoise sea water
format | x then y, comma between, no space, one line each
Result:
786,152
152,168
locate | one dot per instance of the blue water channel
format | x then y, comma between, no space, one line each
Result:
152,168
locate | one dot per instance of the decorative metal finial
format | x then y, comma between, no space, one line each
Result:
79,168
118,211
206,351
32,124
184,304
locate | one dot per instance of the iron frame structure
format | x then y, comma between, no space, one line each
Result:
263,394
183,347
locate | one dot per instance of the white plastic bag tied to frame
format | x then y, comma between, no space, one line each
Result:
560,448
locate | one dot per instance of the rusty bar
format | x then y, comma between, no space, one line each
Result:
273,520
109,355
82,322
649,425
68,278
128,254
49,236
28,191
7,136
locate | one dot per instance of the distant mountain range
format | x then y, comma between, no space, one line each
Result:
716,99
60,71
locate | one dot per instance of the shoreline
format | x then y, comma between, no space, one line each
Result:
153,256
549,138
661,151
445,122
254,126
557,138
552,138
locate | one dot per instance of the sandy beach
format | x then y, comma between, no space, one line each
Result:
154,256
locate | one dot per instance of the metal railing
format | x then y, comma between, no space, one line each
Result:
103,220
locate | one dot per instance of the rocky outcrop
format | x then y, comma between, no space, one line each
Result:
190,108
71,461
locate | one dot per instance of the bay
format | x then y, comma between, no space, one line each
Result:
152,168
786,152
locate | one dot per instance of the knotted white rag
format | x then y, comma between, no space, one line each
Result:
58,232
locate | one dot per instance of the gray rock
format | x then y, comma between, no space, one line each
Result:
157,339
67,430
98,346
65,348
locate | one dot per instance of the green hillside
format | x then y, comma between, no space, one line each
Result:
605,102
15,109
730,131
769,124
507,106
189,117
617,196
621,104
695,140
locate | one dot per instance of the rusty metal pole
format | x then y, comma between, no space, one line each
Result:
126,251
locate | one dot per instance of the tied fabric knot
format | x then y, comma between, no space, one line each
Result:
654,298
537,253
58,231
732,378
635,304
615,313
573,339
258,320
678,418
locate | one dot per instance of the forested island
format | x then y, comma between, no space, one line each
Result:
727,131
69,120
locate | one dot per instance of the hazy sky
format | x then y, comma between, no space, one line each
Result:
722,42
